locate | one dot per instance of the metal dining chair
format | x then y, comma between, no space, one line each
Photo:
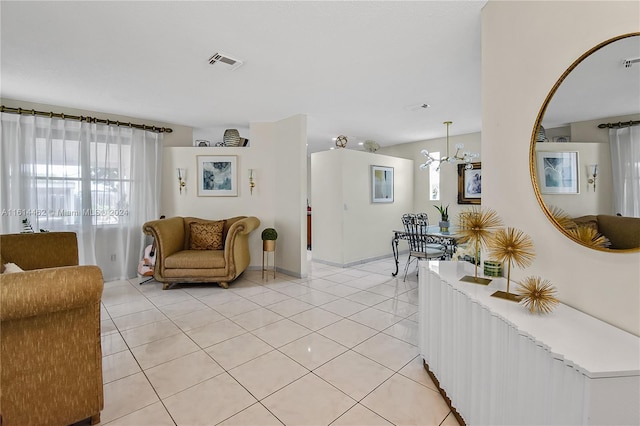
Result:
417,228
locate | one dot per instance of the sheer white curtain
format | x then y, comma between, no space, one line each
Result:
625,164
101,182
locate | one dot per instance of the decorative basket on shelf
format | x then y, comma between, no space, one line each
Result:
231,137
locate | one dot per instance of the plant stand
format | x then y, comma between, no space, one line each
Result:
266,249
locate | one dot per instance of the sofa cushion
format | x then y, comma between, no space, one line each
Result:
589,221
187,229
206,236
195,259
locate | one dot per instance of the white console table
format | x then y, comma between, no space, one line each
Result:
500,365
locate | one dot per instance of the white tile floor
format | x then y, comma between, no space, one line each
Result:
336,348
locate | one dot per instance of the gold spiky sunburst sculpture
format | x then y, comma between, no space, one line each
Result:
476,225
562,217
589,236
509,246
537,295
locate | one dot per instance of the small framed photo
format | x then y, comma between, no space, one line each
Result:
557,172
381,184
470,184
217,175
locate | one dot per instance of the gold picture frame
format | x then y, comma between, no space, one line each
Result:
470,184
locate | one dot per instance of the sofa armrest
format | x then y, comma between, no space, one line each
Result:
40,250
236,247
43,291
169,236
243,226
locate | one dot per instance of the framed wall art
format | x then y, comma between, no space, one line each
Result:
381,184
557,172
217,175
470,184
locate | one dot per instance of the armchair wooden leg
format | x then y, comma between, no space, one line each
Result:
95,419
224,285
165,286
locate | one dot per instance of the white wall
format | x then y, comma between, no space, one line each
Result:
347,227
592,145
278,200
515,35
587,201
289,147
448,173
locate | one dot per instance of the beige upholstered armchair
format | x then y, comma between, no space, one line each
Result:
198,250
50,352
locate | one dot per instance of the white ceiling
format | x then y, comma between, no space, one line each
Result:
599,86
352,66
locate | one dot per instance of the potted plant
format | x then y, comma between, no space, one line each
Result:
269,237
444,217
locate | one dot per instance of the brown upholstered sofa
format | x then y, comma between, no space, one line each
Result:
623,232
50,352
186,251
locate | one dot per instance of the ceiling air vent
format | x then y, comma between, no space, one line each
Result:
225,60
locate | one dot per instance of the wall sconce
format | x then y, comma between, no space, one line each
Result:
252,184
181,179
593,173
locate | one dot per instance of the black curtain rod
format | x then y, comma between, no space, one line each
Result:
84,118
618,124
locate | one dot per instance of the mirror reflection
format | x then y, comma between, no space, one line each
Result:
585,153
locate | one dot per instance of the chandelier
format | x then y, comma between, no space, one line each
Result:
466,157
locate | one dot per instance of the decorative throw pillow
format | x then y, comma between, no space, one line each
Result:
11,268
207,236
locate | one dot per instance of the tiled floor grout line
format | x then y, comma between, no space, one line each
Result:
142,370
401,289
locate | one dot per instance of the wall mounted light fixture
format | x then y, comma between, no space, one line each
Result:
252,183
181,179
593,174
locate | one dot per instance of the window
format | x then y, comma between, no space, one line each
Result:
101,182
60,178
434,178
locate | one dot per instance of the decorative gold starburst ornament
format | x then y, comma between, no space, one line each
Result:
511,245
537,295
589,236
477,225
562,217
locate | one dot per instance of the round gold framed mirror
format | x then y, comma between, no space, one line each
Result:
591,116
